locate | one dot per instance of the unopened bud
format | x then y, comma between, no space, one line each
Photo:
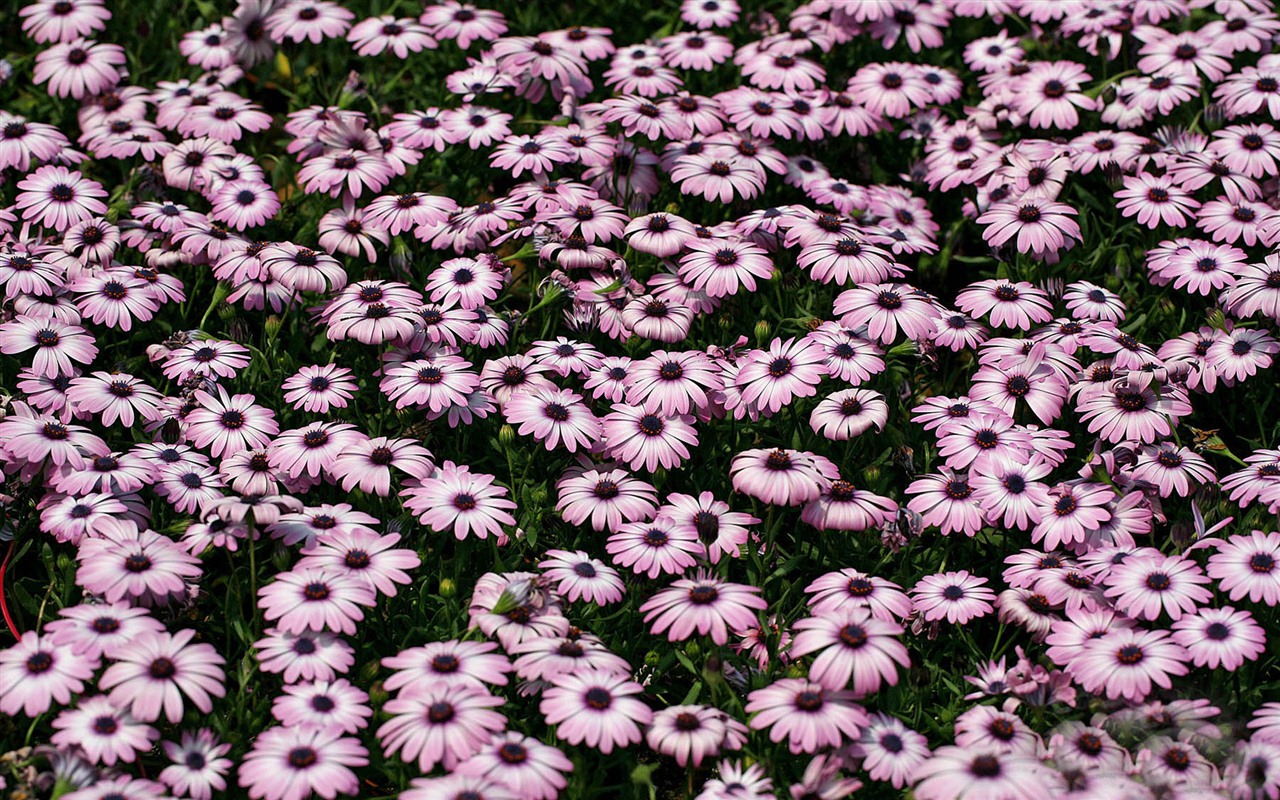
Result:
272,326
506,435
448,588
762,330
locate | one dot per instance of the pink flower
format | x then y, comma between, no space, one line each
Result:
35,673
855,646
706,605
157,671
808,716
294,763
442,725
597,708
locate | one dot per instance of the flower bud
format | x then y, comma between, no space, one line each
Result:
448,588
272,326
506,435
762,330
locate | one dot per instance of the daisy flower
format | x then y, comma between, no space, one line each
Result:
48,21
1125,662
781,477
545,658
645,440
78,68
532,770
446,664
440,725
155,672
578,576
1155,200
597,708
607,497
808,716
311,449
693,733
103,731
890,751
554,417
293,763
36,672
228,424
1220,637
315,600
964,773
854,647
1248,566
115,397
654,548
707,605
957,597
462,501
308,656
199,765
1040,226
58,198
142,566
99,629
846,414
721,267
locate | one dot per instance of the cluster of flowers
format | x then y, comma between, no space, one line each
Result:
1099,614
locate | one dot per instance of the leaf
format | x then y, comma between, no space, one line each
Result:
692,696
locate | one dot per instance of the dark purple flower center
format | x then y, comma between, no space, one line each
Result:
606,489
137,562
513,753
703,594
440,713
39,662
809,700
316,591
557,412
105,725
985,766
1129,655
778,461
302,757
853,636
1262,562
598,698
162,669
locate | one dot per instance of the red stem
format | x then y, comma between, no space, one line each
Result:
4,606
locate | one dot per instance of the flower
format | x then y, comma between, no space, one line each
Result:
890,751
446,664
307,599
531,769
156,671
199,765
780,477
957,773
36,672
846,414
608,498
554,417
647,440
462,501
596,707
105,733
1143,586
78,67
1125,662
957,597
1220,637
581,577
855,646
1248,565
440,725
705,604
693,733
294,763
808,716
309,655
